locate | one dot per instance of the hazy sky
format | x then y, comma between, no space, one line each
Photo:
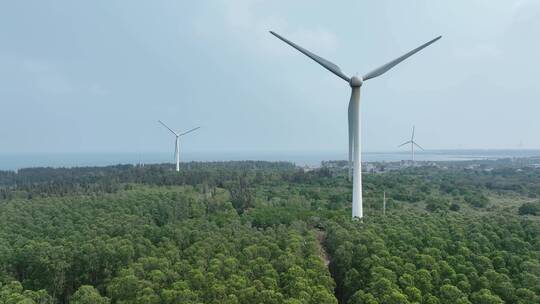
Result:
95,76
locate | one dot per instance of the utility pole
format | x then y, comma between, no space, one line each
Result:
384,203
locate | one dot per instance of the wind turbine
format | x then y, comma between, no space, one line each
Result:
177,142
354,112
413,143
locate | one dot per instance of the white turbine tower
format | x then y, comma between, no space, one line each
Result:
177,142
413,143
354,112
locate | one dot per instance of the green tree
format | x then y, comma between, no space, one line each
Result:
530,208
88,295
484,296
450,294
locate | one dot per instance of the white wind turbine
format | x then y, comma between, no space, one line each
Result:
177,142
354,112
413,143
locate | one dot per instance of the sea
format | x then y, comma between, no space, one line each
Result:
310,159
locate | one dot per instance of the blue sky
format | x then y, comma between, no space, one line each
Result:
95,76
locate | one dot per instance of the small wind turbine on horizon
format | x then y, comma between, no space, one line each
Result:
354,112
177,142
413,143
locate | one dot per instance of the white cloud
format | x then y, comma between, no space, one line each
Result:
47,77
523,6
97,89
249,22
239,13
479,51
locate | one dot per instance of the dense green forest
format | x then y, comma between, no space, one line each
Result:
262,232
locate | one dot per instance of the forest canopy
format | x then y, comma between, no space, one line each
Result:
261,232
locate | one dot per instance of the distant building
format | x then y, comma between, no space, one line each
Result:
307,168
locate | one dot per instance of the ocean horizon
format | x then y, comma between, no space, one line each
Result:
312,159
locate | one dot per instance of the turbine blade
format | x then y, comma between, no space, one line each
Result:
189,131
403,144
325,63
418,145
161,122
383,69
412,137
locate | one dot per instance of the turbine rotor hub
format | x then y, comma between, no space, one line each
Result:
356,81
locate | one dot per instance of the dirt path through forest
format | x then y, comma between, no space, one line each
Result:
321,235
325,258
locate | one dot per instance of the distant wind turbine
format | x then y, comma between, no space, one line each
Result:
177,142
354,111
413,143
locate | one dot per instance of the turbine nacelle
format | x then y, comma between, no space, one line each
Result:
356,82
